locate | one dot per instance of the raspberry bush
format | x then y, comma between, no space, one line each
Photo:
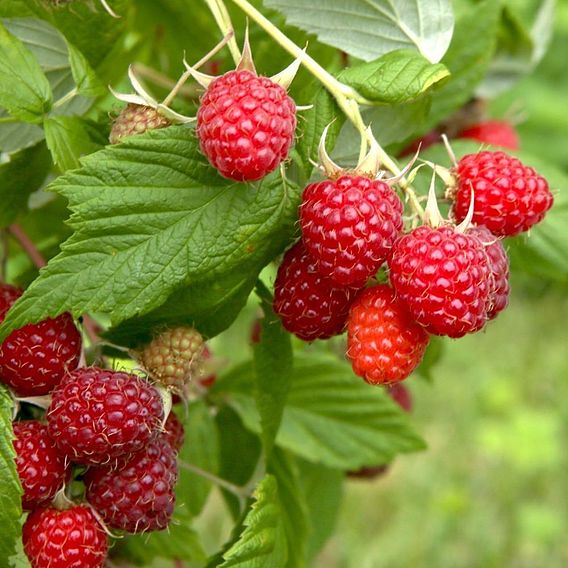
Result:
260,189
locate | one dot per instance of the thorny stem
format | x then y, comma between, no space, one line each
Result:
223,20
347,98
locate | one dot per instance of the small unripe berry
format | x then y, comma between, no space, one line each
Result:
136,119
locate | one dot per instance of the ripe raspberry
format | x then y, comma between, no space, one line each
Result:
97,415
349,226
384,344
174,432
136,119
72,538
42,470
173,357
139,496
499,265
245,125
34,358
444,278
509,197
494,132
311,306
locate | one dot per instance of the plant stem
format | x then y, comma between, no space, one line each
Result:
223,20
189,91
240,492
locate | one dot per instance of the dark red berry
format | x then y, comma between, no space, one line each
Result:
494,132
174,432
136,119
72,538
349,226
98,415
509,197
443,276
8,296
245,125
401,395
139,495
311,306
384,343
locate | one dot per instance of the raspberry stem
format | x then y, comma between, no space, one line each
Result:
223,20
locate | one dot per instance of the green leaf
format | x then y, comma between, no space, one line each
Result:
542,30
85,78
273,360
201,448
21,175
262,544
368,29
331,416
10,492
397,77
150,217
24,89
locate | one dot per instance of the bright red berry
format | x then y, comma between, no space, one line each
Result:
443,276
384,343
42,470
494,132
72,538
98,415
311,306
136,119
245,125
509,197
174,432
499,265
139,495
349,226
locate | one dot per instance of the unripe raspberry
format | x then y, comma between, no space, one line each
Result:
245,125
349,226
509,197
136,119
139,495
97,415
174,432
384,343
311,306
42,470
494,132
72,538
444,278
173,357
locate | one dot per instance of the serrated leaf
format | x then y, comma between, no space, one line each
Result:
331,416
262,544
24,89
397,77
273,360
10,492
368,29
151,216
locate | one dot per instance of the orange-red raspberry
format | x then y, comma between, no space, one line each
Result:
494,132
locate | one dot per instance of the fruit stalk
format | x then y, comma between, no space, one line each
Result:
223,20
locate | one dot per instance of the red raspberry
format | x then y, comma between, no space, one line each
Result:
139,495
444,278
499,265
311,306
42,470
34,358
245,125
72,538
349,226
509,197
97,415
174,432
136,119
384,344
494,132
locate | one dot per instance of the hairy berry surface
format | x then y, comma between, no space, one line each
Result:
349,226
245,125
136,119
494,132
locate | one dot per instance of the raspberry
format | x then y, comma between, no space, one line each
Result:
139,496
311,306
509,197
72,538
41,469
34,358
245,125
174,432
499,265
173,357
494,132
349,226
136,119
97,415
384,344
209,379
444,278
